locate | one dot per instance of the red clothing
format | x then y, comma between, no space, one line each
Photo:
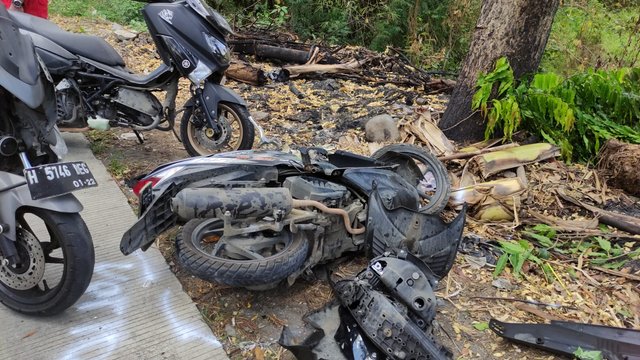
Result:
33,7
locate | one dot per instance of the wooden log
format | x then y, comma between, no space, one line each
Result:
351,66
244,72
273,52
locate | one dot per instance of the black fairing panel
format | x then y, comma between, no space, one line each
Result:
393,189
426,236
187,28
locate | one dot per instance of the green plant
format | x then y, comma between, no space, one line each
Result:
117,167
99,140
579,113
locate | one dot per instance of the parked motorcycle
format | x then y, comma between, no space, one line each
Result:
93,81
46,252
255,218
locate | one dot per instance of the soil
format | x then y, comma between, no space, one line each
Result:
248,323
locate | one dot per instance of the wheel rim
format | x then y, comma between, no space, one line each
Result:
232,125
207,238
48,257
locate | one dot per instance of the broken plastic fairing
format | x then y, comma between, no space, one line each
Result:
426,236
394,304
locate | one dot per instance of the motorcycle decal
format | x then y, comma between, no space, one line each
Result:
186,64
166,15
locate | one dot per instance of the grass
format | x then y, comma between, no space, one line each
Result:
117,167
99,140
125,12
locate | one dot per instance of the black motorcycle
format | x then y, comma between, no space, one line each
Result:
93,81
46,251
255,218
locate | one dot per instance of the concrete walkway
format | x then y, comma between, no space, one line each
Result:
135,307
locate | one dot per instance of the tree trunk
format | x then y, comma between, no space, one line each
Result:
517,29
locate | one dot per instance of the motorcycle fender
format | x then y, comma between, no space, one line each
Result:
12,200
213,94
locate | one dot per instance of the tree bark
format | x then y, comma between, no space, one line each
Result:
517,29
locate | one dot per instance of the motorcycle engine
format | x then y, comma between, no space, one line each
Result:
310,188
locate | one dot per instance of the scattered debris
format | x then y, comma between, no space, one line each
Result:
503,283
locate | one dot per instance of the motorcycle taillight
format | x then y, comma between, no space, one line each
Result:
142,183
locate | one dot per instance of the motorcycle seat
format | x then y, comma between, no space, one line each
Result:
89,46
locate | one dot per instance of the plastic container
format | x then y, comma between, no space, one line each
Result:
99,123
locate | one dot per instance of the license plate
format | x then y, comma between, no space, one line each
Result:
48,181
145,198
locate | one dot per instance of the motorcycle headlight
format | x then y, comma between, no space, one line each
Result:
219,48
200,73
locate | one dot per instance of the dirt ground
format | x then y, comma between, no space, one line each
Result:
248,323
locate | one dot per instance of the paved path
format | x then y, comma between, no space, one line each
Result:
135,307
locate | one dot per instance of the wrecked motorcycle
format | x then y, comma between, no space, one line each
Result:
255,218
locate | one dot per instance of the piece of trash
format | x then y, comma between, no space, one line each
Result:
475,262
30,334
503,284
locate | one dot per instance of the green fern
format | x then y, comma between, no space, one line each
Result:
579,114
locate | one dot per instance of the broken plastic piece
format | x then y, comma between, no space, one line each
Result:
394,304
565,338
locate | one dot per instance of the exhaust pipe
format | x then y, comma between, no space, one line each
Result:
194,203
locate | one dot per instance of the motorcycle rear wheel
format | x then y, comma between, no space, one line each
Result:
250,265
236,133
66,257
432,169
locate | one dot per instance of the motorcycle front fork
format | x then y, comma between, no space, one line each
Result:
8,247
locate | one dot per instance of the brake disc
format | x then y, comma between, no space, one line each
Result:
206,138
28,275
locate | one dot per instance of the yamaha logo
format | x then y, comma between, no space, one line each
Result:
186,64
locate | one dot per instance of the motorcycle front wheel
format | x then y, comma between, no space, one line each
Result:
235,130
257,261
57,259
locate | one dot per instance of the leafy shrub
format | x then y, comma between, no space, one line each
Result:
579,113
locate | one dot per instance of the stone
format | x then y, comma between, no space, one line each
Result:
260,115
327,85
130,136
122,35
116,26
230,330
381,128
421,101
303,117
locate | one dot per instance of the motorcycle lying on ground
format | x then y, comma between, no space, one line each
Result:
255,218
93,81
46,251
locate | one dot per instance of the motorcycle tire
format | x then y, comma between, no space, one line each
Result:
70,237
259,274
189,132
440,198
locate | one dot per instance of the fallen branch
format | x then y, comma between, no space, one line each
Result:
619,221
616,273
351,66
537,312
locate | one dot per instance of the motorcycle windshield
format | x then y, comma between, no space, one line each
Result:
213,17
19,69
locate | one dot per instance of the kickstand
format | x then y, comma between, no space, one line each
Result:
138,135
